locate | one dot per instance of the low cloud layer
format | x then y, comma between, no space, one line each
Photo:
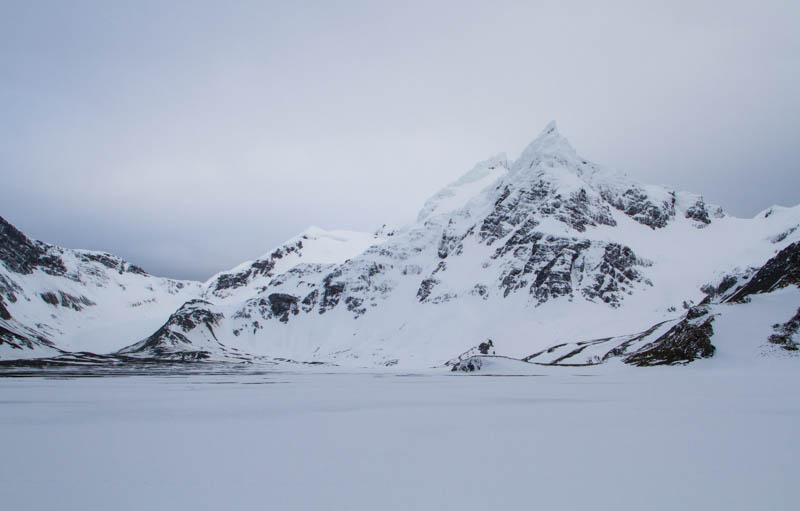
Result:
188,138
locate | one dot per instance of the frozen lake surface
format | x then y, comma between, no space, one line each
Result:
657,438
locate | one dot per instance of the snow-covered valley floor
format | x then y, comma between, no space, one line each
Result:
693,437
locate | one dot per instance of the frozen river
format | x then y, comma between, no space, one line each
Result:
660,438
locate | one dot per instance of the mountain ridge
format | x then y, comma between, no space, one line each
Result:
508,249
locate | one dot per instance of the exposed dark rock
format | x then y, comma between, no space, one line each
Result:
331,292
18,252
19,341
4,314
194,313
355,304
282,305
75,302
428,284
50,298
261,267
9,288
515,207
725,284
444,298
231,280
484,347
636,204
21,255
185,356
373,269
551,266
169,340
450,243
698,311
425,288
355,283
622,348
619,346
578,211
310,301
784,335
359,280
525,235
480,290
615,274
685,342
546,350
112,262
106,260
563,360
785,234
469,365
698,212
554,279
67,300
132,268
500,222
543,260
52,264
780,271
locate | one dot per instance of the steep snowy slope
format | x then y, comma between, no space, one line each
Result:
545,249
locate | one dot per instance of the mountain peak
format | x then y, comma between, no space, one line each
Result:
551,127
550,142
550,138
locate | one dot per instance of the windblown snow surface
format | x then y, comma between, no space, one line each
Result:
710,435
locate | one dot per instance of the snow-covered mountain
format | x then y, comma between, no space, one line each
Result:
530,253
54,299
546,250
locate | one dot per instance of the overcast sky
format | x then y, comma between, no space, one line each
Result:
190,136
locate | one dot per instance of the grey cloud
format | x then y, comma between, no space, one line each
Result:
191,136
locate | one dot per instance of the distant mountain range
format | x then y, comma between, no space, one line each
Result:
548,259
